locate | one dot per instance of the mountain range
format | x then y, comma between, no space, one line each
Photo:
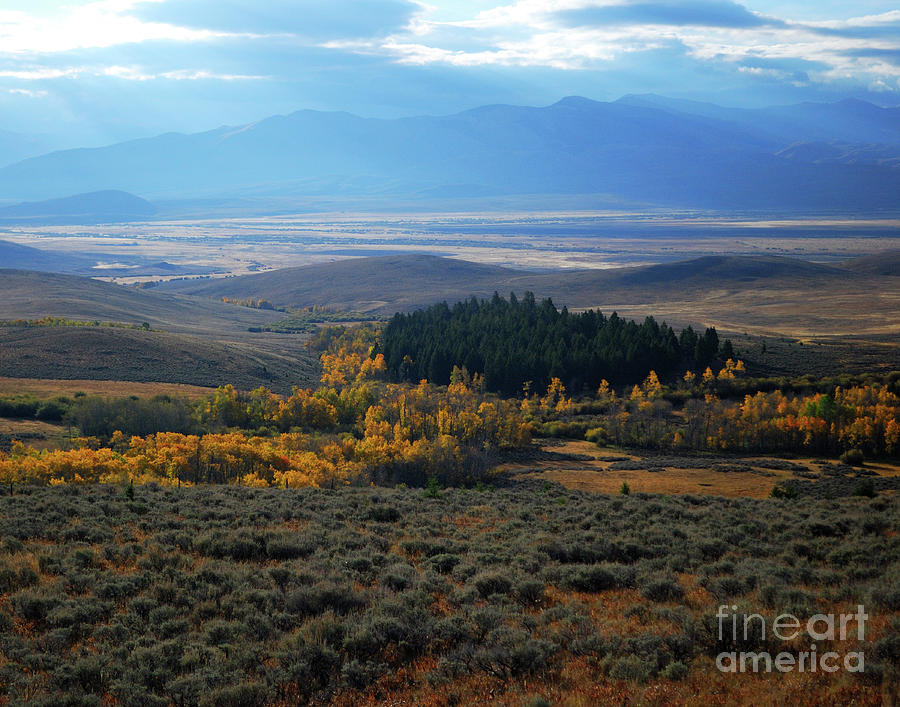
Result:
640,150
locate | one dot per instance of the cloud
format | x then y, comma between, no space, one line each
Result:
320,19
95,24
127,66
27,92
701,13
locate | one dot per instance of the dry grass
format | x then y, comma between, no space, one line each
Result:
596,476
40,435
49,387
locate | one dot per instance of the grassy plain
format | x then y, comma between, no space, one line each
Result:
562,238
581,466
51,387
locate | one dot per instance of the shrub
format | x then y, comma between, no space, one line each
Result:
243,695
853,457
384,514
590,578
663,589
492,583
865,487
531,592
444,562
630,667
676,670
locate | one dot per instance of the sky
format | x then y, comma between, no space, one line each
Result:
87,72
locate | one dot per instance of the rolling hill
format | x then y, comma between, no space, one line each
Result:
31,295
765,294
195,341
638,151
386,284
107,206
382,284
15,256
885,263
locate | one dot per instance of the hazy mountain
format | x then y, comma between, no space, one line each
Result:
15,147
634,150
93,207
849,120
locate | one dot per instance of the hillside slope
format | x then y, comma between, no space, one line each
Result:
195,341
382,284
15,256
740,293
389,283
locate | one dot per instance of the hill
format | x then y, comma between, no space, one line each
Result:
763,294
195,341
382,284
94,207
386,284
22,257
99,353
638,152
31,295
885,263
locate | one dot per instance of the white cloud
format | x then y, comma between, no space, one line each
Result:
129,73
493,41
95,25
27,92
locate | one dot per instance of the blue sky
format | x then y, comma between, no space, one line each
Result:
95,71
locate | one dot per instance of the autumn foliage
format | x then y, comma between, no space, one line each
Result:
356,429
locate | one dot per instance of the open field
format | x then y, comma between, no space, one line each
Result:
50,387
582,466
34,433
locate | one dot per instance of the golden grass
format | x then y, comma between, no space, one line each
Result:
34,433
48,387
596,476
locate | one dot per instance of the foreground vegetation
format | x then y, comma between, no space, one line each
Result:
226,595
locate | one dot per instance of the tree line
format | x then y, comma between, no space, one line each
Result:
513,342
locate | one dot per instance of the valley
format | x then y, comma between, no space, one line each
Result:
368,354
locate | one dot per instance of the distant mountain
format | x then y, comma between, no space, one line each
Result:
15,147
849,121
385,284
94,207
644,150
